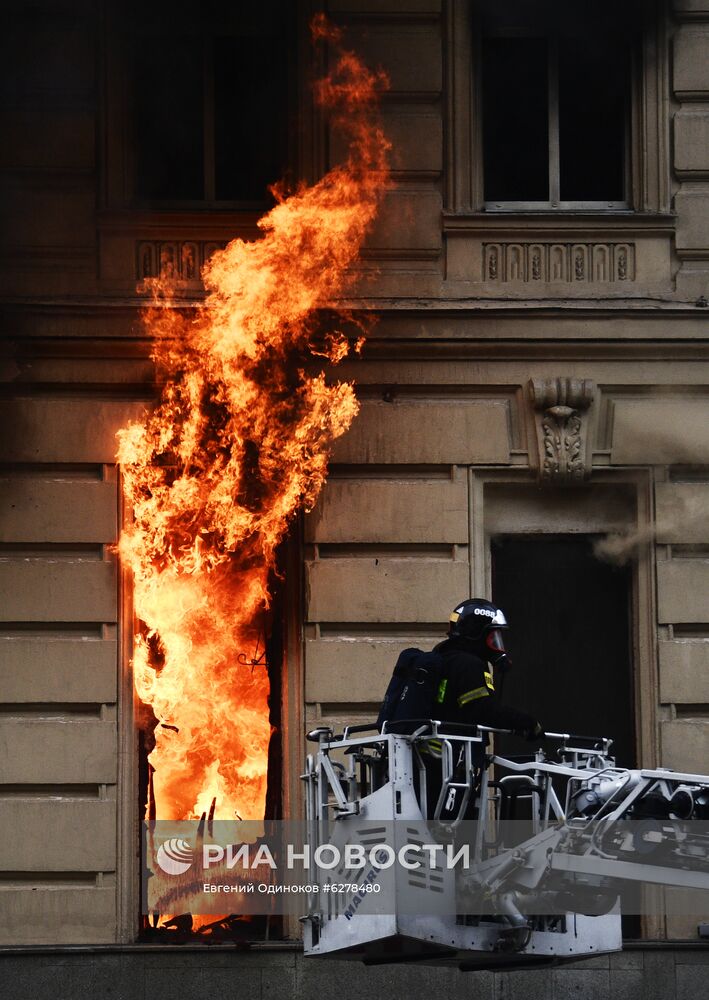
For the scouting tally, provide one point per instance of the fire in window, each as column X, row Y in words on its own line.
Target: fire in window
column 556, row 87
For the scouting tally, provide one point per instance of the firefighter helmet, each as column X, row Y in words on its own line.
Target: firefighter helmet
column 479, row 619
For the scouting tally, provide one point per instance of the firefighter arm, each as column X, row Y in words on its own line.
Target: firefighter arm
column 482, row 707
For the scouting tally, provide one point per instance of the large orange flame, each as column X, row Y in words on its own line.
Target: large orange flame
column 237, row 443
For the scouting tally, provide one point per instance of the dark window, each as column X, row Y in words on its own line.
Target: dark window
column 207, row 102
column 167, row 117
column 516, row 119
column 556, row 87
column 569, row 637
column 569, row 616
column 593, row 111
column 249, row 115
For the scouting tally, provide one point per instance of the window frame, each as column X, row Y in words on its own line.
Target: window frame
column 649, row 189
column 642, row 611
column 554, row 203
column 118, row 160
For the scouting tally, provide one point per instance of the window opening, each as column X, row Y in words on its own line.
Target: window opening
column 556, row 89
column 185, row 927
column 206, row 104
column 569, row 636
column 570, row 643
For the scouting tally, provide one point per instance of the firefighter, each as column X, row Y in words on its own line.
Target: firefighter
column 470, row 657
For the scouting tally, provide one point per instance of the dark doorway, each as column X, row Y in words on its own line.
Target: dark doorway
column 569, row 637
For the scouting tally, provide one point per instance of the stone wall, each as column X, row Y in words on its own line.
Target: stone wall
column 281, row 974
column 446, row 450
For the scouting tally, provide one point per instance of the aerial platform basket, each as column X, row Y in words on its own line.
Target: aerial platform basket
column 541, row 846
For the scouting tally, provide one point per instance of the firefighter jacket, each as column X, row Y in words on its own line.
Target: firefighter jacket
column 466, row 691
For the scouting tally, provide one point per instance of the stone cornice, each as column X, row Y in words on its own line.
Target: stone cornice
column 108, row 306
column 391, row 349
column 551, row 224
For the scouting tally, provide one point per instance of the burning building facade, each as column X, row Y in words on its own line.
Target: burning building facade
column 532, row 395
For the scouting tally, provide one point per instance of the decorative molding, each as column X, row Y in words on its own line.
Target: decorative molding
column 182, row 259
column 589, row 263
column 561, row 407
column 559, row 226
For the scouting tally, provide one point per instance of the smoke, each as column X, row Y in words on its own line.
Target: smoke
column 623, row 546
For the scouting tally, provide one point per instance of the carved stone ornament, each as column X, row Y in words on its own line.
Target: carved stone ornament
column 561, row 407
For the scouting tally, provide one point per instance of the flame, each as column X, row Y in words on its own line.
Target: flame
column 237, row 444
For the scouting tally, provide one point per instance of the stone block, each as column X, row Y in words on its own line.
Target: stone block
column 589, row 984
column 63, row 430
column 692, row 280
column 692, row 981
column 274, row 958
column 532, row 984
column 39, row 271
column 685, row 909
column 384, row 590
column 661, row 431
column 51, row 835
column 279, row 981
column 696, row 8
column 57, row 510
column 659, row 969
column 57, row 751
column 60, row 138
column 29, row 977
column 697, row 955
column 57, row 915
column 684, row 672
column 685, row 745
column 692, row 208
column 58, row 670
column 683, row 591
column 197, row 981
column 407, row 220
column 114, row 977
column 627, row 984
column 52, row 56
column 596, row 508
column 416, row 142
column 626, row 959
column 410, row 55
column 41, row 217
column 683, row 927
column 353, row 670
column 41, row 590
column 691, row 61
column 682, row 512
column 462, row 432
column 390, row 511
column 691, row 148
column 395, row 982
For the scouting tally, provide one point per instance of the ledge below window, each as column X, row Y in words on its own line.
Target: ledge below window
column 559, row 255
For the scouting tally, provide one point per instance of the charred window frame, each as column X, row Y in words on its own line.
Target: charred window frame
column 200, row 102
column 556, row 85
